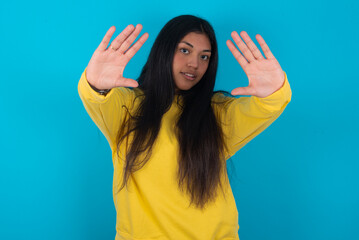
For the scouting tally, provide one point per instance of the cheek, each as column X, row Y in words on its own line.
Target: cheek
column 177, row 61
column 204, row 68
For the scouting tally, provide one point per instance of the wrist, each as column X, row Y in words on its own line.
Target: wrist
column 100, row 91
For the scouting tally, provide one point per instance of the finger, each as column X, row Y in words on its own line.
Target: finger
column 242, row 46
column 106, row 39
column 236, row 54
column 127, row 43
column 243, row 91
column 251, row 45
column 267, row 52
column 135, row 47
column 116, row 43
column 126, row 82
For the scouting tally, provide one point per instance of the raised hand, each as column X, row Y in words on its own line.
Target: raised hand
column 265, row 76
column 106, row 67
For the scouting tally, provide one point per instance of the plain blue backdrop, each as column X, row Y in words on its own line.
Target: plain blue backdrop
column 297, row 180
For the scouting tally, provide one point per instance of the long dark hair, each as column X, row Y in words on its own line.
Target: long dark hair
column 201, row 142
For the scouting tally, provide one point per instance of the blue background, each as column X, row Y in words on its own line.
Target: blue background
column 296, row 180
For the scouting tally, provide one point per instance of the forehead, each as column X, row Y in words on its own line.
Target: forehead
column 197, row 40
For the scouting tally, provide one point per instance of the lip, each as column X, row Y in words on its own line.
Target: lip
column 188, row 77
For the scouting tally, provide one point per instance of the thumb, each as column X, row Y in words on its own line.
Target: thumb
column 126, row 82
column 242, row 91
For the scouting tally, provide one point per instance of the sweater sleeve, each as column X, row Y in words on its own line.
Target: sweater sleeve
column 108, row 112
column 244, row 118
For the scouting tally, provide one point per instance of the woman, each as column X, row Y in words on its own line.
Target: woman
column 170, row 134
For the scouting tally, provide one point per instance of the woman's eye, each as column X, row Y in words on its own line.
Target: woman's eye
column 183, row 50
column 205, row 57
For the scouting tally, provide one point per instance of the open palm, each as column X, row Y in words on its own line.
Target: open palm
column 265, row 75
column 106, row 67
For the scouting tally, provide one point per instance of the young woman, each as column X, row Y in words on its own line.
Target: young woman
column 170, row 134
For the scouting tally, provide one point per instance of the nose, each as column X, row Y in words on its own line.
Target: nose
column 193, row 62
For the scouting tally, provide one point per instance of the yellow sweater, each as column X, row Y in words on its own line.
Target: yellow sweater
column 152, row 207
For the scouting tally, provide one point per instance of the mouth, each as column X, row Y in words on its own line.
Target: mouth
column 189, row 76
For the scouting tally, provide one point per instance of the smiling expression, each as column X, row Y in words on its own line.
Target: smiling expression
column 191, row 59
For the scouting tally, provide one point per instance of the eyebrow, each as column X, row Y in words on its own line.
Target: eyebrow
column 192, row 46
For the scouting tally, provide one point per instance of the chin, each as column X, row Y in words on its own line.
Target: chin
column 184, row 88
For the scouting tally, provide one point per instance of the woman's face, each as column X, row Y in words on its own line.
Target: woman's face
column 191, row 59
